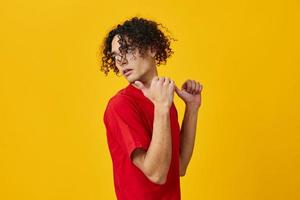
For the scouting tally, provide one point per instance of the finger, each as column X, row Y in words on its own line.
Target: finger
column 201, row 87
column 197, row 90
column 189, row 86
column 171, row 85
column 161, row 80
column 194, row 85
column 155, row 79
column 167, row 80
column 184, row 86
column 177, row 90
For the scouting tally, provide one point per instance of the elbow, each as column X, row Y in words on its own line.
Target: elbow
column 160, row 180
column 182, row 173
column 182, row 169
column 157, row 177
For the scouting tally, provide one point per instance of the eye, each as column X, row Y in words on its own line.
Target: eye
column 130, row 49
column 117, row 58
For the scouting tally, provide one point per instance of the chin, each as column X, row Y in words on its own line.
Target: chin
column 131, row 79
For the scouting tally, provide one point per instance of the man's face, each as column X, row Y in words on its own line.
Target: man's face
column 140, row 68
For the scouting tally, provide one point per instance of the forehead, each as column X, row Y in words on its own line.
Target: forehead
column 115, row 44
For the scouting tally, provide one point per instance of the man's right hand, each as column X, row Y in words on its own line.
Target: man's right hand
column 160, row 92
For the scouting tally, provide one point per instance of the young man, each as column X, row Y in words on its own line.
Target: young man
column 149, row 151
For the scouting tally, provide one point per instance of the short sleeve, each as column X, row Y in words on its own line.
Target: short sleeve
column 126, row 124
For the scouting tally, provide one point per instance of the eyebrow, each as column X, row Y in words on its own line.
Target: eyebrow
column 113, row 53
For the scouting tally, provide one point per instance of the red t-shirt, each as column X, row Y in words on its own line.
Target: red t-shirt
column 129, row 119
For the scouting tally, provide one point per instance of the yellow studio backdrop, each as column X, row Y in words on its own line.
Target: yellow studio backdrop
column 53, row 95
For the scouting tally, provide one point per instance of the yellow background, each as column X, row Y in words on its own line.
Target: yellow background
column 53, row 95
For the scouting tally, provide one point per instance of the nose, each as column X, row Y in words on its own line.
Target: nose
column 122, row 62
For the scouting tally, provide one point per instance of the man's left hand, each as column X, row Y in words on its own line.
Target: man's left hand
column 190, row 93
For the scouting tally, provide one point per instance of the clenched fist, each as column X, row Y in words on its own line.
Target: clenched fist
column 190, row 93
column 160, row 92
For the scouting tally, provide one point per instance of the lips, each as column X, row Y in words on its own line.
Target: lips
column 126, row 71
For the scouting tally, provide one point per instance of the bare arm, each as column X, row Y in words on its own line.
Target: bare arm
column 155, row 162
column 190, row 93
column 187, row 136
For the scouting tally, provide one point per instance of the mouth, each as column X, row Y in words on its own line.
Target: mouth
column 126, row 72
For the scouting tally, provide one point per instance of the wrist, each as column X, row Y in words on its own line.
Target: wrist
column 192, row 107
column 161, row 108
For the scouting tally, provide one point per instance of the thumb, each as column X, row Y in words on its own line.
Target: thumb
column 140, row 85
column 177, row 90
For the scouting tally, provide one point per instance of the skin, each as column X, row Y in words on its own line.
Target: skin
column 155, row 162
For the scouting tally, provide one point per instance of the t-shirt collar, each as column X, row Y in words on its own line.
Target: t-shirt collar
column 137, row 92
column 134, row 89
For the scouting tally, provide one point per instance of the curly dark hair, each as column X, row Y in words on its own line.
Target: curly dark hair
column 136, row 33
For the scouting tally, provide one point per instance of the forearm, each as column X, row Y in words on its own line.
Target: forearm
column 187, row 136
column 158, row 157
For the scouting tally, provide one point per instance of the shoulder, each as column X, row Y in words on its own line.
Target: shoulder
column 120, row 104
column 120, row 100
